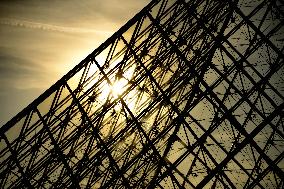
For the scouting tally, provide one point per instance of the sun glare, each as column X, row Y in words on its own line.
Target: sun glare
column 113, row 89
column 118, row 87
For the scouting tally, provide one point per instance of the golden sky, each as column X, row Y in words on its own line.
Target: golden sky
column 41, row 40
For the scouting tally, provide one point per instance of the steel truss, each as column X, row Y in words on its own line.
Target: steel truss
column 187, row 94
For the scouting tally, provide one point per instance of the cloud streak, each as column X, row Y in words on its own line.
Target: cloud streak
column 48, row 27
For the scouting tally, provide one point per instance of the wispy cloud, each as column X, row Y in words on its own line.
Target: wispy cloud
column 48, row 27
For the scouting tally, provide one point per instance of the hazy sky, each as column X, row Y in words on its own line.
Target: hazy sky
column 41, row 40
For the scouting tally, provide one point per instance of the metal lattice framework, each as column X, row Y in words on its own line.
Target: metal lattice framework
column 187, row 94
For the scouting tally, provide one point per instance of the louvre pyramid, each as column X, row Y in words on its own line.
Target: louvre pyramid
column 187, row 94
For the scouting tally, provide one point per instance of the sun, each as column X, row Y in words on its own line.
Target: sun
column 118, row 87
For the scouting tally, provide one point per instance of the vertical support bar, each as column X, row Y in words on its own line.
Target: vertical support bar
column 61, row 156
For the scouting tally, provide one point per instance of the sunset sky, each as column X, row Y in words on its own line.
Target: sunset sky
column 41, row 40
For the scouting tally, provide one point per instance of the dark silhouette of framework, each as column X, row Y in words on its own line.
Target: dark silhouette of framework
column 187, row 94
